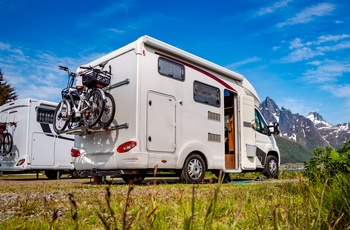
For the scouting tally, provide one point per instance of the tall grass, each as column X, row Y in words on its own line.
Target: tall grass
column 257, row 205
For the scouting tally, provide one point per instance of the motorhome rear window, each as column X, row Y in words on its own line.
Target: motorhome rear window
column 44, row 115
column 206, row 94
column 171, row 69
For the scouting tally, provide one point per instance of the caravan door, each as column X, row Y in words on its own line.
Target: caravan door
column 248, row 142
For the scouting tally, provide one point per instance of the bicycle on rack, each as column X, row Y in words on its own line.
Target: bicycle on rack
column 84, row 106
column 6, row 139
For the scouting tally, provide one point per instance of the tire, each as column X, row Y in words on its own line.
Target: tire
column 108, row 111
column 7, row 143
column 133, row 178
column 193, row 170
column 61, row 116
column 78, row 174
column 271, row 167
column 94, row 112
column 52, row 174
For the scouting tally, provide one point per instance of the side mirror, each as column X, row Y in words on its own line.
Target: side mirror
column 273, row 129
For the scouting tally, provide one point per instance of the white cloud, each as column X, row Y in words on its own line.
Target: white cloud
column 308, row 14
column 338, row 90
column 326, row 72
column 243, row 62
column 273, row 8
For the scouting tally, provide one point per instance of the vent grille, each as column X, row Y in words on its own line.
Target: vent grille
column 214, row 137
column 213, row 116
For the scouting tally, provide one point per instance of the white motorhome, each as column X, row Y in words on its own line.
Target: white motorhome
column 35, row 146
column 176, row 112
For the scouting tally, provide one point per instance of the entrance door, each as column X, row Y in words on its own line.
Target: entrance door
column 161, row 122
column 230, row 130
column 248, row 143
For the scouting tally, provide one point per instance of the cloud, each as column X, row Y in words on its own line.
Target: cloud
column 301, row 51
column 326, row 72
column 338, row 90
column 243, row 62
column 35, row 74
column 308, row 14
column 273, row 8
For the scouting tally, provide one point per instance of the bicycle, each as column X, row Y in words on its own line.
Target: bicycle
column 87, row 102
column 6, row 139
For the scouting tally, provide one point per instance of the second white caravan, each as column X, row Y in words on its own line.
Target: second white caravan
column 35, row 146
column 176, row 112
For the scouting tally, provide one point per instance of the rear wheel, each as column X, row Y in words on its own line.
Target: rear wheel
column 7, row 143
column 108, row 111
column 193, row 170
column 271, row 167
column 94, row 111
column 52, row 174
column 133, row 178
column 61, row 116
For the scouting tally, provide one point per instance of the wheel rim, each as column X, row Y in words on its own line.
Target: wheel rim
column 62, row 117
column 273, row 166
column 195, row 169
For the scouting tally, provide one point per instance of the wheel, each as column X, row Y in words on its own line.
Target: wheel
column 133, row 178
column 94, row 111
column 61, row 116
column 52, row 174
column 7, row 143
column 193, row 170
column 78, row 174
column 1, row 146
column 108, row 111
column 271, row 167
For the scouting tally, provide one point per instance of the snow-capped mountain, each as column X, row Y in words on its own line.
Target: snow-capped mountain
column 311, row 132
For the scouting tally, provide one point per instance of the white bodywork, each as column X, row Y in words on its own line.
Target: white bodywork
column 163, row 118
column 34, row 140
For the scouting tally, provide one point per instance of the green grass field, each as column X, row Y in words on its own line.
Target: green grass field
column 272, row 204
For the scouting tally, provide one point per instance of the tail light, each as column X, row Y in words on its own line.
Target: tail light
column 127, row 146
column 74, row 152
column 20, row 162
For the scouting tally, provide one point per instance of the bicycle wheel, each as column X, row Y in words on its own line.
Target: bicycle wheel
column 93, row 113
column 7, row 144
column 108, row 111
column 1, row 146
column 61, row 116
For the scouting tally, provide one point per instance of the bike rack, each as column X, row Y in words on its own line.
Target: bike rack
column 86, row 130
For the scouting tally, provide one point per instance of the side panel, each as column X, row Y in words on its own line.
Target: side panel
column 161, row 122
column 43, row 147
column 248, row 142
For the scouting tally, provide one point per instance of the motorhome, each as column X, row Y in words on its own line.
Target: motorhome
column 176, row 112
column 35, row 146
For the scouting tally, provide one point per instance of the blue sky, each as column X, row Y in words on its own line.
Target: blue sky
column 293, row 51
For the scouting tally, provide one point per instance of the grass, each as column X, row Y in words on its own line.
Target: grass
column 257, row 205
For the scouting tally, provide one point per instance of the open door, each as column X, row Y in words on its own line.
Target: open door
column 248, row 142
column 230, row 129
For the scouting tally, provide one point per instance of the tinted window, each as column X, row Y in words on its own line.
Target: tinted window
column 45, row 115
column 206, row 94
column 171, row 69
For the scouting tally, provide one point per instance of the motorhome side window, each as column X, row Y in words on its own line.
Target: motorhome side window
column 261, row 126
column 171, row 69
column 206, row 94
column 44, row 115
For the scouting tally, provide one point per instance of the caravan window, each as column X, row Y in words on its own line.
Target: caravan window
column 171, row 69
column 45, row 115
column 206, row 94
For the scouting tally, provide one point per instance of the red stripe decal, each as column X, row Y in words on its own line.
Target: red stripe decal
column 200, row 70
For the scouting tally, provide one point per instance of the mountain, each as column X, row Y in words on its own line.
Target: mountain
column 303, row 134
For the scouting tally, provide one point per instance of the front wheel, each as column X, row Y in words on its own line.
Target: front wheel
column 193, row 170
column 271, row 167
column 7, row 143
column 108, row 111
column 93, row 112
column 61, row 116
